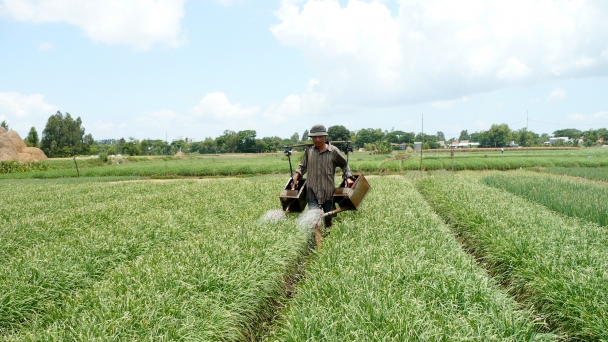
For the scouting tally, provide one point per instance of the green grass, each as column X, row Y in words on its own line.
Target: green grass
column 142, row 260
column 553, row 264
column 392, row 271
column 598, row 173
column 253, row 164
column 571, row 197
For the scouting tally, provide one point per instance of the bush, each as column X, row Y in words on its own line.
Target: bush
column 104, row 157
column 12, row 166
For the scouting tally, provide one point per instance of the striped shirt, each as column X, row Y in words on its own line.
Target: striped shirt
column 321, row 167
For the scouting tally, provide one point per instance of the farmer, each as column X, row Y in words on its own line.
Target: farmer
column 320, row 161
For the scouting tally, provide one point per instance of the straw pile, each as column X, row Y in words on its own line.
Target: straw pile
column 12, row 147
column 179, row 154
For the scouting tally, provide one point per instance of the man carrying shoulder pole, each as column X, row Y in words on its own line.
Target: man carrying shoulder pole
column 320, row 161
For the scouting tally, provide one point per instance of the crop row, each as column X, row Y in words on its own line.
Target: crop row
column 571, row 197
column 141, row 260
column 393, row 271
column 553, row 264
column 268, row 164
column 599, row 173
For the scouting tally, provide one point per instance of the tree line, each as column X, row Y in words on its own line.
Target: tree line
column 64, row 136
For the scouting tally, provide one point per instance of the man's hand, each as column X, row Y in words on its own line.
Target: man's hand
column 294, row 183
column 349, row 182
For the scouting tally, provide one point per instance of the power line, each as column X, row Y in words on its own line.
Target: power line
column 563, row 124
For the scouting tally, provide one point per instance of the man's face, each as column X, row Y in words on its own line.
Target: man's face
column 319, row 141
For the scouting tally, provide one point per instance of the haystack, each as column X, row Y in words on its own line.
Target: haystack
column 409, row 149
column 12, row 147
column 179, row 154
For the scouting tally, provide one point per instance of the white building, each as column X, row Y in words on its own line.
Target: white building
column 554, row 140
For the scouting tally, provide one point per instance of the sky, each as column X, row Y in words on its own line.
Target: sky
column 162, row 69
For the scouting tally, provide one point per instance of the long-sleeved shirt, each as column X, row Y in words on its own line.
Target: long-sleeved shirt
column 321, row 167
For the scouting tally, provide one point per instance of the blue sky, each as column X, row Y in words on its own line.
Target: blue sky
column 169, row 68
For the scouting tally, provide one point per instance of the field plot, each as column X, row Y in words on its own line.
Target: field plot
column 553, row 264
column 571, row 197
column 495, row 161
column 597, row 173
column 227, row 165
column 179, row 260
column 393, row 271
column 256, row 164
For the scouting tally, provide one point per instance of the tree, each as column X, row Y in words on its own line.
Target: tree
column 602, row 133
column 338, row 133
column 144, row 146
column 395, row 137
column 571, row 133
column 4, row 124
column 67, row 134
column 500, row 135
column 525, row 137
column 295, row 138
column 367, row 136
column 464, row 135
column 305, row 135
column 32, row 137
column 440, row 136
column 430, row 141
column 132, row 147
column 589, row 138
column 227, row 142
column 246, row 141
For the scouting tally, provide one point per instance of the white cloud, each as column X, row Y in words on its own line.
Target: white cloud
column 577, row 117
column 513, row 70
column 556, row 95
column 14, row 105
column 593, row 118
column 449, row 103
column 224, row 2
column 136, row 23
column 215, row 108
column 45, row 46
column 436, row 49
column 310, row 103
column 24, row 111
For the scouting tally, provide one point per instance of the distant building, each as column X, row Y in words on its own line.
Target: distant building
column 185, row 139
column 553, row 141
column 464, row 144
column 417, row 146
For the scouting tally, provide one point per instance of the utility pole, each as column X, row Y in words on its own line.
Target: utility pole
column 422, row 143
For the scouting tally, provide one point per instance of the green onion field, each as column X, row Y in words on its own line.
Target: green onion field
column 507, row 247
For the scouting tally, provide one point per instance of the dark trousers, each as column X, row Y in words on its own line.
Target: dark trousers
column 327, row 206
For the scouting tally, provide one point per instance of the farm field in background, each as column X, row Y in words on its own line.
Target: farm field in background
column 249, row 164
column 572, row 197
column 129, row 258
column 600, row 174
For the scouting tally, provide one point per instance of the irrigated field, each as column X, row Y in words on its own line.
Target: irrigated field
column 426, row 257
column 231, row 165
